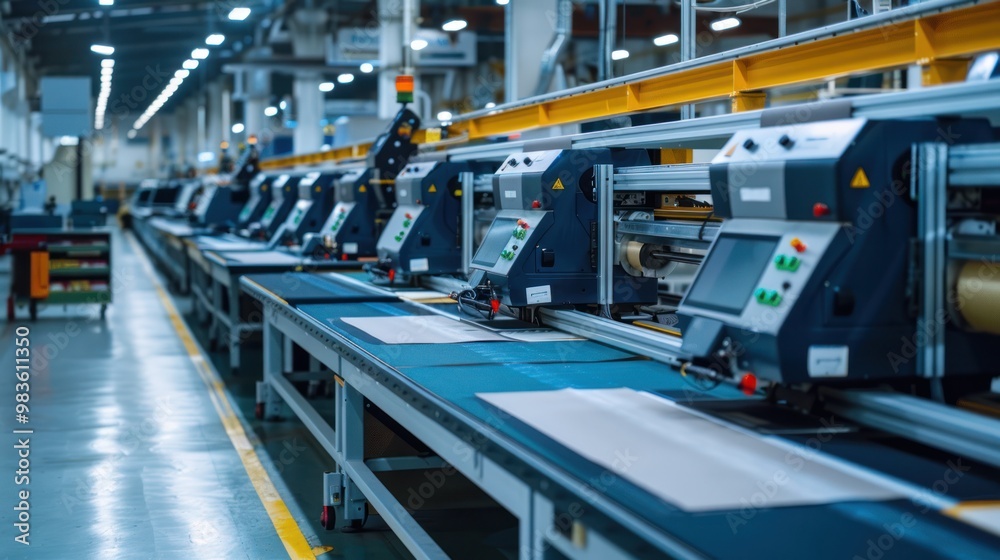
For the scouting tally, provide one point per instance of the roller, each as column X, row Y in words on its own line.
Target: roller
column 978, row 291
column 643, row 259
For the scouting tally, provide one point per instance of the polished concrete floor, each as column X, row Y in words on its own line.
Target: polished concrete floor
column 130, row 459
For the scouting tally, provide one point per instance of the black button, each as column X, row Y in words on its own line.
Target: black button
column 785, row 141
column 512, row 162
column 527, row 161
column 749, row 144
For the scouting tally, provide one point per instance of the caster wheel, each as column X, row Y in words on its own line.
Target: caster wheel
column 328, row 519
column 357, row 525
column 258, row 411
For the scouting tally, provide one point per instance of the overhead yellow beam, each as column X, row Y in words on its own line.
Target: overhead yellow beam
column 941, row 43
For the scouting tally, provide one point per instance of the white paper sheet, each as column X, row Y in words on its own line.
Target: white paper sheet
column 695, row 463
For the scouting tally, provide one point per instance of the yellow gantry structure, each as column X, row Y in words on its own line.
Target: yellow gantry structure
column 941, row 43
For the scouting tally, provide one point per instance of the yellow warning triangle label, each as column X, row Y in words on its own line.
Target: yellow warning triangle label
column 432, row 189
column 860, row 180
column 558, row 186
column 362, row 188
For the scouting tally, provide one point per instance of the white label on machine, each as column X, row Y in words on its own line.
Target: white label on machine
column 538, row 294
column 419, row 265
column 755, row 194
column 510, row 194
column 827, row 361
column 351, row 248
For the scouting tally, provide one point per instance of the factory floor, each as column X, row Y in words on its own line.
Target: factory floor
column 137, row 452
column 145, row 444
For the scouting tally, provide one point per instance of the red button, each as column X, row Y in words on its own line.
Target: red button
column 408, row 216
column 748, row 384
column 798, row 245
column 536, row 204
column 820, row 210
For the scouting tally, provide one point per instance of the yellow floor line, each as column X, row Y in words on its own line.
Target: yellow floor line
column 287, row 528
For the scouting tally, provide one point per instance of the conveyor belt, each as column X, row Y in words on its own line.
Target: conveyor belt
column 246, row 262
column 299, row 289
column 455, row 373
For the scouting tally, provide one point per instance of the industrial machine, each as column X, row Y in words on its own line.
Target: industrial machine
column 315, row 202
column 424, row 234
column 366, row 197
column 218, row 204
column 542, row 248
column 284, row 195
column 259, row 201
column 817, row 274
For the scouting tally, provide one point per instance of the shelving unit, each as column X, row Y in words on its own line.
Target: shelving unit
column 78, row 271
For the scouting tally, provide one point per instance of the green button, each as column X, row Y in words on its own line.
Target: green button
column 399, row 238
column 792, row 264
column 760, row 294
column 774, row 298
column 780, row 261
column 406, row 223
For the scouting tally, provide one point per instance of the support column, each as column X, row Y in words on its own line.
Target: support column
column 390, row 55
column 308, row 27
column 308, row 135
column 214, row 131
column 529, row 30
column 227, row 113
column 257, row 93
column 155, row 146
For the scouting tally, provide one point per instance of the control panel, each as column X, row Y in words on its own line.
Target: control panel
column 277, row 201
column 756, row 270
column 511, row 234
column 205, row 201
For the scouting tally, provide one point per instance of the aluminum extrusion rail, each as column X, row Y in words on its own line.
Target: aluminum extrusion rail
column 945, row 427
column 691, row 178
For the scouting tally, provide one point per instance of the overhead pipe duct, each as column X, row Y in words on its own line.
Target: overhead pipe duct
column 550, row 59
column 606, row 37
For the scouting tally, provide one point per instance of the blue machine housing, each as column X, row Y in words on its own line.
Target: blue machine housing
column 257, row 204
column 314, row 204
column 423, row 236
column 218, row 205
column 811, row 277
column 284, row 193
column 366, row 198
column 542, row 246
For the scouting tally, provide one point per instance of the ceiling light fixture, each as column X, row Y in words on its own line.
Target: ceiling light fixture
column 454, row 25
column 418, row 44
column 190, row 64
column 620, row 54
column 345, row 78
column 326, row 86
column 724, row 24
column 664, row 40
column 106, row 50
column 239, row 14
column 367, row 67
column 199, row 54
column 215, row 39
